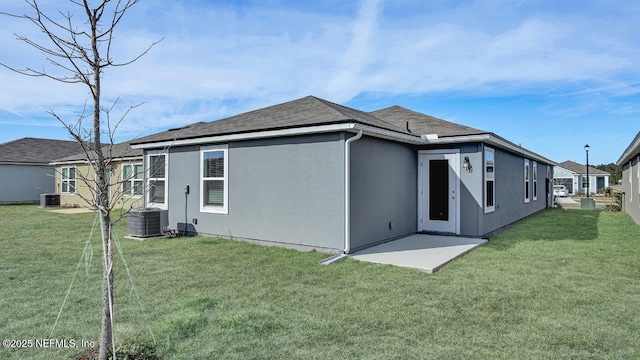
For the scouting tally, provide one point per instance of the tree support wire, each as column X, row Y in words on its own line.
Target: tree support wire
column 87, row 255
column 87, row 258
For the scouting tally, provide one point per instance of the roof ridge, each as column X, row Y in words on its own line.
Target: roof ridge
column 339, row 108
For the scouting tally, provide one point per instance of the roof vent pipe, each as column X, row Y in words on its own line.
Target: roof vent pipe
column 347, row 191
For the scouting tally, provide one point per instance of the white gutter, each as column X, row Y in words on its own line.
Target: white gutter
column 247, row 136
column 630, row 152
column 81, row 162
column 347, row 191
column 493, row 140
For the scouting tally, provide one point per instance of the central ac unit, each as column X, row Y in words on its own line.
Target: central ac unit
column 147, row 222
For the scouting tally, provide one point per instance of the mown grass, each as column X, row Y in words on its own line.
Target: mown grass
column 563, row 284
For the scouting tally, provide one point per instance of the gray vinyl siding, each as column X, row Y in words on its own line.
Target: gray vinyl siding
column 509, row 189
column 286, row 190
column 631, row 189
column 384, row 183
column 25, row 183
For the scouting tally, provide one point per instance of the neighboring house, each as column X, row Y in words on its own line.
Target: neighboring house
column 75, row 177
column 574, row 177
column 313, row 174
column 630, row 163
column 25, row 172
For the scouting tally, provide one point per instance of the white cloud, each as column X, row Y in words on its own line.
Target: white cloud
column 220, row 59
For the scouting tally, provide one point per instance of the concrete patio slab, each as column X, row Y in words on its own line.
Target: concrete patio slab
column 420, row 251
column 73, row 211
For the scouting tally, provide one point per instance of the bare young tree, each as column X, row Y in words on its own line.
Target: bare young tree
column 77, row 52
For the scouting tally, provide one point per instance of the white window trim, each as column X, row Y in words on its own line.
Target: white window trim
column 489, row 209
column 132, row 181
column 215, row 209
column 535, row 181
column 631, row 180
column 63, row 180
column 527, row 190
column 148, row 180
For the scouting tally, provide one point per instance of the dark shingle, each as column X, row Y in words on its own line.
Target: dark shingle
column 117, row 151
column 307, row 111
column 580, row 168
column 420, row 124
column 36, row 151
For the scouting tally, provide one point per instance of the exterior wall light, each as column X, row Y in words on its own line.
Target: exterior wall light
column 467, row 164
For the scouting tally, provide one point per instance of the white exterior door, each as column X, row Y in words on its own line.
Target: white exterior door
column 438, row 191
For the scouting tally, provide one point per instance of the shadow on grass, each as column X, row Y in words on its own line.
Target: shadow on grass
column 551, row 225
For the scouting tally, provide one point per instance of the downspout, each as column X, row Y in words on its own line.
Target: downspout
column 347, row 202
column 347, row 191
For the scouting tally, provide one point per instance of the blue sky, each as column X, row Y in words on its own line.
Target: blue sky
column 549, row 75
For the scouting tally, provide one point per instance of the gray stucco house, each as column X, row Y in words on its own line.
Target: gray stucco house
column 25, row 172
column 574, row 177
column 630, row 163
column 313, row 174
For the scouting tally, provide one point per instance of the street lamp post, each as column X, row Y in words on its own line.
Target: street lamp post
column 586, row 149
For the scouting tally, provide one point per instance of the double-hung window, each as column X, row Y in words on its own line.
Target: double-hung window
column 535, row 181
column 132, row 179
column 157, row 180
column 526, row 181
column 214, row 175
column 489, row 180
column 68, row 180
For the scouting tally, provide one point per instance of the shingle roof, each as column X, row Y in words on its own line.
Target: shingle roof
column 580, row 168
column 631, row 151
column 420, row 123
column 117, row 151
column 312, row 111
column 307, row 111
column 36, row 151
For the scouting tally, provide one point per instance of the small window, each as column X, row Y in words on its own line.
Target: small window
column 156, row 180
column 68, row 180
column 489, row 180
column 526, row 181
column 214, row 189
column 132, row 179
column 535, row 181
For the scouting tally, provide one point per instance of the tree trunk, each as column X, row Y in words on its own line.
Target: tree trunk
column 106, row 330
column 106, row 339
column 85, row 66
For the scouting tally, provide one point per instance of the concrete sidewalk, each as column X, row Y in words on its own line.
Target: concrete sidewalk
column 420, row 251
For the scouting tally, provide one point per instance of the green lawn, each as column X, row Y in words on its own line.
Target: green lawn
column 564, row 284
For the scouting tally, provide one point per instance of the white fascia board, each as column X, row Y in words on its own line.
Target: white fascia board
column 75, row 162
column 71, row 162
column 495, row 141
column 630, row 151
column 23, row 163
column 351, row 127
column 247, row 136
column 389, row 135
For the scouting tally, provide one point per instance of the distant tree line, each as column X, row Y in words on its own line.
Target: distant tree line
column 614, row 170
